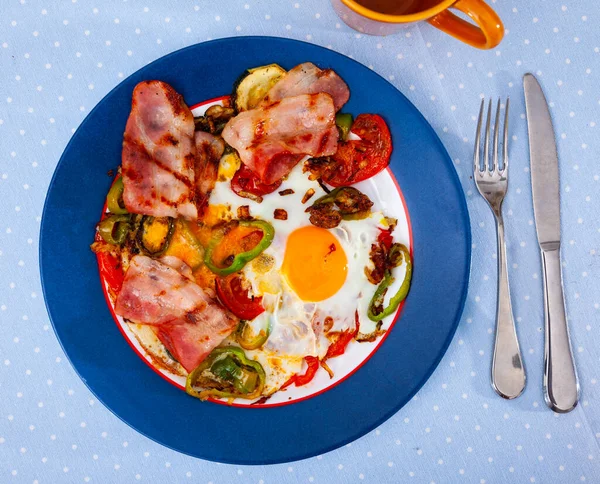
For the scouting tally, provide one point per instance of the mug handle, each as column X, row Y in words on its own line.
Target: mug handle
column 488, row 32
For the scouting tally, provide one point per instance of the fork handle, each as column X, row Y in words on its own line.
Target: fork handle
column 508, row 373
column 561, row 388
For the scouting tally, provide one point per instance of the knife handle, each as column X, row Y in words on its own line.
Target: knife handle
column 508, row 372
column 561, row 387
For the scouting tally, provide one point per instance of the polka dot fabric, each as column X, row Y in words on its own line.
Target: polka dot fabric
column 60, row 58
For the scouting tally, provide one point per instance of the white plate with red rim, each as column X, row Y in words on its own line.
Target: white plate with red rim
column 384, row 191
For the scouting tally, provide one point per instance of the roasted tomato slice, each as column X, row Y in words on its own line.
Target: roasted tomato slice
column 247, row 184
column 235, row 297
column 357, row 160
column 111, row 270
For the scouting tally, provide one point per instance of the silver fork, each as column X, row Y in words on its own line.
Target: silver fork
column 508, row 373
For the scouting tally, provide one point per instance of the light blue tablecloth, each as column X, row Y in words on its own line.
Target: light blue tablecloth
column 58, row 59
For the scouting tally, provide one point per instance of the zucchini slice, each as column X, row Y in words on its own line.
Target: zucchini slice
column 254, row 84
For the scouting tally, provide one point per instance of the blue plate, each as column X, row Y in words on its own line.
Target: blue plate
column 146, row 402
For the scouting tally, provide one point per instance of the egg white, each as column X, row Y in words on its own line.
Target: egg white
column 292, row 335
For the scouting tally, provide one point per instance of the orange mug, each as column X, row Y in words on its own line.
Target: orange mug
column 487, row 34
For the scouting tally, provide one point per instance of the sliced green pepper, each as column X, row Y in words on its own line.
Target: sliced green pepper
column 349, row 200
column 227, row 373
column 397, row 254
column 344, row 123
column 351, row 203
column 357, row 215
column 114, row 199
column 114, row 229
column 239, row 260
column 154, row 234
column 185, row 246
column 376, row 310
column 251, row 340
column 327, row 198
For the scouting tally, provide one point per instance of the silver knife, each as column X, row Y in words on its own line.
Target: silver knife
column 561, row 387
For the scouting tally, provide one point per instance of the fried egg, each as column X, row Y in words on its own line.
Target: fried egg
column 312, row 280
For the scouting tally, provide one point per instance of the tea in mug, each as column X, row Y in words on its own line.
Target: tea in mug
column 398, row 7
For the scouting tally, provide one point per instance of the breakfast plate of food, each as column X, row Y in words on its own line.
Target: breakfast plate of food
column 266, row 239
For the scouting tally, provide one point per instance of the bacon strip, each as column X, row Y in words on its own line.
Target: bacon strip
column 209, row 150
column 191, row 340
column 186, row 319
column 159, row 154
column 273, row 139
column 307, row 78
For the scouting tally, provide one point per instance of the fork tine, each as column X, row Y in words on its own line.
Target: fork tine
column 505, row 141
column 496, row 134
column 476, row 163
column 486, row 142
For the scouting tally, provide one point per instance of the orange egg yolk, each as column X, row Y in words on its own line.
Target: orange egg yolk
column 314, row 264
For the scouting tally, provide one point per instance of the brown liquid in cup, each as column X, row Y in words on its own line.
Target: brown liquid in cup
column 398, row 7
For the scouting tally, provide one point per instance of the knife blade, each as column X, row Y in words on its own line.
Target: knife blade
column 544, row 163
column 561, row 386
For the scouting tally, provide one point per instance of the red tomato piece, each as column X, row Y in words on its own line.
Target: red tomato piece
column 311, row 371
column 358, row 160
column 385, row 238
column 235, row 297
column 339, row 347
column 290, row 380
column 111, row 270
column 246, row 181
